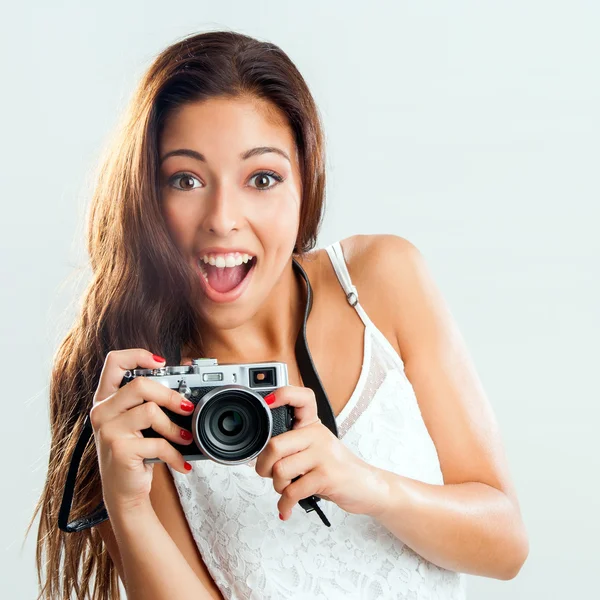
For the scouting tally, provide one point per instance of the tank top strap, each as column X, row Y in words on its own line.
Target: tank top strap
column 341, row 270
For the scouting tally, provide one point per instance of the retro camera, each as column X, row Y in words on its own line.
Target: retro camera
column 231, row 423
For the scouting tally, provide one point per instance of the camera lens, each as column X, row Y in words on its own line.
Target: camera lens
column 233, row 425
column 230, row 423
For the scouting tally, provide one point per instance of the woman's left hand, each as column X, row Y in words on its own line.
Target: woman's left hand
column 329, row 469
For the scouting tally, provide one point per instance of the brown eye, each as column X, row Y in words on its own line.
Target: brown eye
column 186, row 181
column 262, row 180
column 189, row 182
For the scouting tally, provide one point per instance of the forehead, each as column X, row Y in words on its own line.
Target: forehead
column 227, row 126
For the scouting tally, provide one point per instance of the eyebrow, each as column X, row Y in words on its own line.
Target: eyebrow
column 244, row 156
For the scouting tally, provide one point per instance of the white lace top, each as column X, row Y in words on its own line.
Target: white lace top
column 252, row 554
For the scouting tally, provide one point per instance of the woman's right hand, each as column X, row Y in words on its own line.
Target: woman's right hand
column 120, row 413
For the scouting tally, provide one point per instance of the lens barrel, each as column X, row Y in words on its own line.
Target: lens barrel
column 231, row 424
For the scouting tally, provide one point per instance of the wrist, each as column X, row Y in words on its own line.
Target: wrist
column 391, row 497
column 123, row 517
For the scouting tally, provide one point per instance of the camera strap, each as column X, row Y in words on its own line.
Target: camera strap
column 310, row 378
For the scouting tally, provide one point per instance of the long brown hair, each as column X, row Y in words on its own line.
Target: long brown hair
column 140, row 292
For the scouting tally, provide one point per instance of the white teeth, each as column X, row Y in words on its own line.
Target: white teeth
column 227, row 260
column 203, row 271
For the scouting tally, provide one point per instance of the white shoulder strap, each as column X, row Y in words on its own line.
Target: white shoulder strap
column 341, row 270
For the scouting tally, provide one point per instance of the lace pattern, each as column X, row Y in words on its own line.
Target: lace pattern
column 365, row 392
column 251, row 554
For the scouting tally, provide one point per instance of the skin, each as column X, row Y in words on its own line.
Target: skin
column 471, row 524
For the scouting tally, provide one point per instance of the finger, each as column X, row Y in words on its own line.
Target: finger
column 148, row 415
column 119, row 361
column 301, row 398
column 138, row 449
column 136, row 392
column 280, row 446
column 310, row 483
column 290, row 467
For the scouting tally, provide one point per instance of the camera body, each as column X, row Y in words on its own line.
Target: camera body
column 231, row 423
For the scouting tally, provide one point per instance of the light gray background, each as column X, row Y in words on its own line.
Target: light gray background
column 470, row 128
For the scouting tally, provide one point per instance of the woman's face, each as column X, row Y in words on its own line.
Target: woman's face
column 230, row 196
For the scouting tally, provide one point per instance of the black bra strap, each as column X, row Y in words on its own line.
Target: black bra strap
column 310, row 379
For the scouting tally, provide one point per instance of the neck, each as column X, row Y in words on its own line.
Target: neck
column 271, row 333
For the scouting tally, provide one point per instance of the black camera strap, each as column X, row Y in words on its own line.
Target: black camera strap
column 310, row 378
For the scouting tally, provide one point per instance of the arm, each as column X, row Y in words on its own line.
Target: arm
column 147, row 536
column 153, row 549
column 473, row 522
column 469, row 527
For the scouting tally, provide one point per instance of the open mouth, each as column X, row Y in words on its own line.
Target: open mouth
column 225, row 277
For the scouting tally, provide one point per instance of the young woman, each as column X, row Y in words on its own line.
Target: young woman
column 213, row 187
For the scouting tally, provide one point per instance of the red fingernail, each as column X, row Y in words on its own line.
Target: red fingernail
column 280, row 516
column 187, row 405
column 270, row 398
column 186, row 435
column 158, row 358
column 187, row 466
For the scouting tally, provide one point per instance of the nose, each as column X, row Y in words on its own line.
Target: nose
column 222, row 214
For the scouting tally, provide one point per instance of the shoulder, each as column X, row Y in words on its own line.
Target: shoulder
column 390, row 274
column 380, row 256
